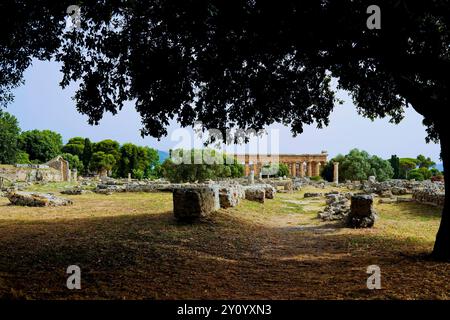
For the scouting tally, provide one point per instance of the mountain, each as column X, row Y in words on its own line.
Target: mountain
column 163, row 155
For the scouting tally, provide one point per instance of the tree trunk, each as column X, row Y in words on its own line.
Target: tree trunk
column 441, row 249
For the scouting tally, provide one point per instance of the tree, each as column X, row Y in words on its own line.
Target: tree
column 41, row 146
column 111, row 147
column 138, row 159
column 74, row 161
column 425, row 162
column 102, row 162
column 87, row 155
column 9, row 134
column 358, row 165
column 243, row 63
column 187, row 171
column 74, row 146
column 355, row 166
column 380, row 168
column 406, row 165
column 395, row 164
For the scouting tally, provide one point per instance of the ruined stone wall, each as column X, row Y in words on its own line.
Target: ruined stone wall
column 30, row 174
column 431, row 196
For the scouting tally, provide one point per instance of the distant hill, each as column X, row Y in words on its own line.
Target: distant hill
column 439, row 166
column 163, row 155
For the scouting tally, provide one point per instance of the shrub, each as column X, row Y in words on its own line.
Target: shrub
column 416, row 175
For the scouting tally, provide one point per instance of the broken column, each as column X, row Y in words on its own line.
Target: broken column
column 362, row 214
column 251, row 177
column 336, row 172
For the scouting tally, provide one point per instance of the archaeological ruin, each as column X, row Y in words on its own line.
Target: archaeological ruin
column 300, row 165
column 55, row 170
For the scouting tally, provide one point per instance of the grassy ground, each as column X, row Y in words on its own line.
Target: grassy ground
column 128, row 246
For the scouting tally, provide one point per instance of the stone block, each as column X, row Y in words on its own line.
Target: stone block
column 255, row 194
column 362, row 214
column 194, row 203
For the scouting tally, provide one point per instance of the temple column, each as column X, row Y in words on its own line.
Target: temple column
column 336, row 172
column 247, row 169
column 302, row 169
column 316, row 169
column 309, row 169
column 294, row 169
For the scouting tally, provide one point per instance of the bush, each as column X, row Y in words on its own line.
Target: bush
column 316, row 178
column 416, row 174
column 138, row 174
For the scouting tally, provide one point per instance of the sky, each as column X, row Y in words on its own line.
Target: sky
column 41, row 104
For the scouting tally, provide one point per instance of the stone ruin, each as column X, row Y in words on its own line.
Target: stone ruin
column 431, row 196
column 338, row 206
column 36, row 199
column 194, row 202
column 391, row 191
column 362, row 213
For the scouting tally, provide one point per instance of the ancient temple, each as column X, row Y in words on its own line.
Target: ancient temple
column 300, row 165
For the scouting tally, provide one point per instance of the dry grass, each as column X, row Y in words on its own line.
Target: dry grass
column 129, row 247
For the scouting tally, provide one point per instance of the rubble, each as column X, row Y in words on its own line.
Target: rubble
column 35, row 199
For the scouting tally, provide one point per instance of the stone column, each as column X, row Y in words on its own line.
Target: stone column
column 309, row 169
column 247, row 169
column 74, row 175
column 129, row 177
column 251, row 177
column 294, row 169
column 336, row 172
column 316, row 170
column 302, row 169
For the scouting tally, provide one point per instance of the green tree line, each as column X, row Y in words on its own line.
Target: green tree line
column 359, row 165
column 40, row 146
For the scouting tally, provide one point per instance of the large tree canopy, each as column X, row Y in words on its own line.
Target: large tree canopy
column 244, row 63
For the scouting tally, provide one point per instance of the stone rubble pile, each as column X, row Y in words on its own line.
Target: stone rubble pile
column 432, row 196
column 338, row 207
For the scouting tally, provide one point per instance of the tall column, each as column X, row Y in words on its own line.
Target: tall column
column 294, row 169
column 309, row 169
column 247, row 169
column 302, row 169
column 336, row 172
column 316, row 168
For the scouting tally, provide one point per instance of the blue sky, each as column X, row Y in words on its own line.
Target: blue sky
column 41, row 104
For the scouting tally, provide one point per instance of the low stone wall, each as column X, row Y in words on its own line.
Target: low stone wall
column 430, row 196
